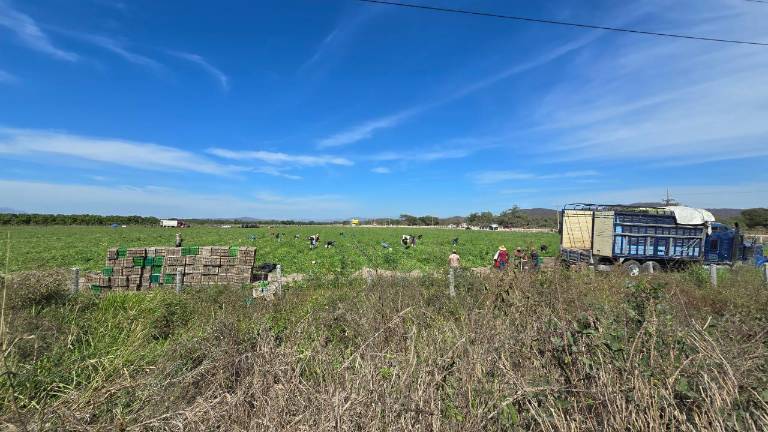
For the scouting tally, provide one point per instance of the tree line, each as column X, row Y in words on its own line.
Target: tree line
column 755, row 217
column 75, row 219
column 514, row 217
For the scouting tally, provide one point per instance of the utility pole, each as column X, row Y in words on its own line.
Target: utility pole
column 668, row 201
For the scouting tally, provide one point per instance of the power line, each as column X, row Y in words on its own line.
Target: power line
column 562, row 23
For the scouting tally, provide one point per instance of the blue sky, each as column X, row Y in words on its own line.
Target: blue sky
column 335, row 108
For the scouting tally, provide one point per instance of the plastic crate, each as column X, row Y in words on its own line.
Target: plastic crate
column 155, row 278
column 157, row 269
column 96, row 289
column 233, row 250
column 158, row 261
column 149, row 261
column 107, row 271
column 138, row 261
column 169, row 278
column 122, row 251
column 190, row 250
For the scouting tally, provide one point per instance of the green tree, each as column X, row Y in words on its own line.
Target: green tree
column 513, row 217
column 755, row 217
column 407, row 219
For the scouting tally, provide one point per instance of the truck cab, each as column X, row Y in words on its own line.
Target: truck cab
column 724, row 245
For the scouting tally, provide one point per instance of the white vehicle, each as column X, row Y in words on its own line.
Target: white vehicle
column 173, row 223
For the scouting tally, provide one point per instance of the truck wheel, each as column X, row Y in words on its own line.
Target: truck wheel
column 631, row 267
column 651, row 267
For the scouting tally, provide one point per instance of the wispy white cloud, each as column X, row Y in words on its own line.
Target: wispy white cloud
column 282, row 159
column 345, row 29
column 77, row 198
column 30, row 33
column 381, row 170
column 140, row 155
column 739, row 195
column 367, row 129
column 276, row 172
column 671, row 102
column 491, row 177
column 7, row 78
column 217, row 74
column 421, row 156
column 519, row 191
column 116, row 47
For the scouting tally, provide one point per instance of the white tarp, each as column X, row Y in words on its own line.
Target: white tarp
column 691, row 216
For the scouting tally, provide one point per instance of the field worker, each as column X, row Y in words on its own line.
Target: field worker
column 519, row 258
column 178, row 239
column 501, row 258
column 535, row 264
column 455, row 242
column 454, row 260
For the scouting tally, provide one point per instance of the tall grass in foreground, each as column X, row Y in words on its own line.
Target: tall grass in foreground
column 548, row 351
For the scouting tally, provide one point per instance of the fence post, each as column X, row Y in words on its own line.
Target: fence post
column 75, row 287
column 179, row 280
column 279, row 290
column 451, row 283
column 765, row 272
column 713, row 275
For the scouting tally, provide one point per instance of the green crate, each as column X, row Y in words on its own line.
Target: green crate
column 155, row 278
column 190, row 250
column 107, row 271
column 233, row 250
column 96, row 289
column 158, row 261
column 138, row 261
column 122, row 251
column 149, row 261
column 157, row 269
column 169, row 278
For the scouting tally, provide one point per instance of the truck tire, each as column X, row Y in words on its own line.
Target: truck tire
column 631, row 267
column 650, row 267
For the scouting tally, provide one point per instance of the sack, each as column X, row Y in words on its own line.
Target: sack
column 267, row 267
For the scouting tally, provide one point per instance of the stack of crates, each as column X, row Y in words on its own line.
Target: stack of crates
column 137, row 269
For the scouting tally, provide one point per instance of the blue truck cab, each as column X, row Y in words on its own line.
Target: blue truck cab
column 646, row 238
column 723, row 244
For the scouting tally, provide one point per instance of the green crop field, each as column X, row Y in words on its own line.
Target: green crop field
column 37, row 248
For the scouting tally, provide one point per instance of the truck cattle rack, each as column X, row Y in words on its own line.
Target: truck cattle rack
column 646, row 238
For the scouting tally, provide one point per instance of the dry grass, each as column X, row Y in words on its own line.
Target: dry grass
column 551, row 351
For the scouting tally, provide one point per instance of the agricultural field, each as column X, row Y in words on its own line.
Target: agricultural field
column 556, row 351
column 38, row 248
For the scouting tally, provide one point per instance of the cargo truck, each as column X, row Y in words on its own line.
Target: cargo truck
column 173, row 223
column 646, row 239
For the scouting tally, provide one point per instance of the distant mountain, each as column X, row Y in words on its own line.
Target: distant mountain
column 10, row 210
column 725, row 213
column 539, row 212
